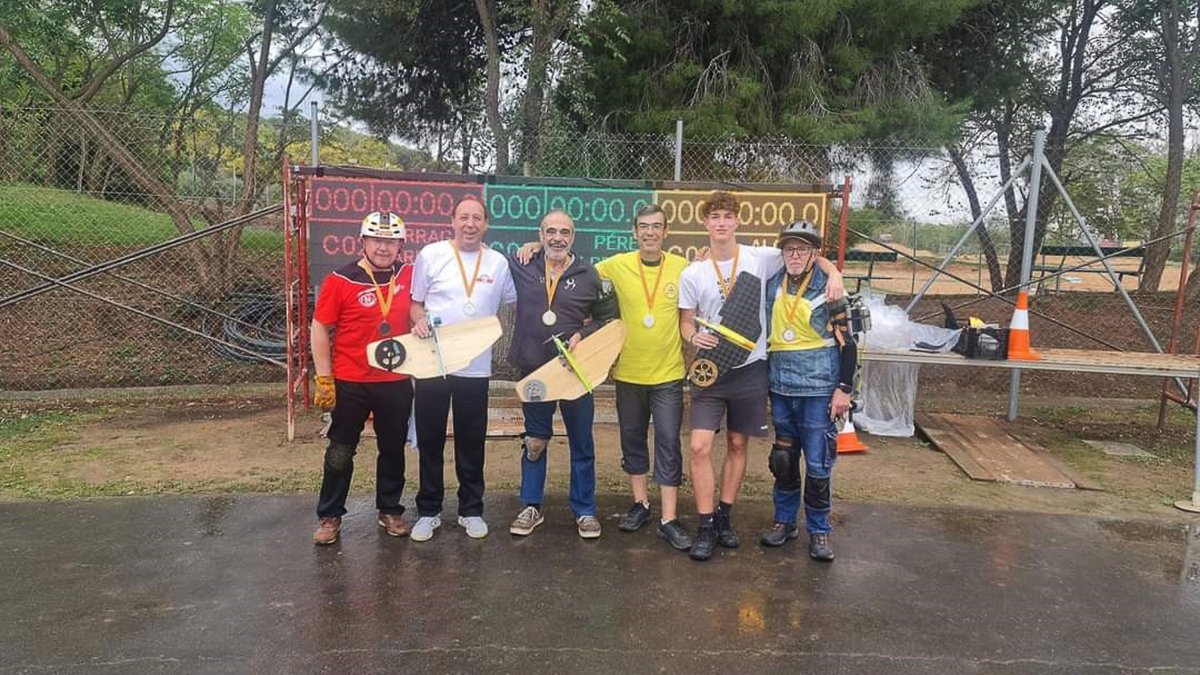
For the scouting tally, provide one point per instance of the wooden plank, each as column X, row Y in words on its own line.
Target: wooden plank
column 1081, row 481
column 1070, row 360
column 944, row 437
column 981, row 446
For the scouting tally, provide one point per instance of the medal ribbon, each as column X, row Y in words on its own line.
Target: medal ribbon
column 646, row 289
column 385, row 306
column 469, row 286
column 726, row 285
column 551, row 287
column 789, row 310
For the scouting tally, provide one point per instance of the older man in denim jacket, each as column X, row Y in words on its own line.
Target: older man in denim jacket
column 812, row 358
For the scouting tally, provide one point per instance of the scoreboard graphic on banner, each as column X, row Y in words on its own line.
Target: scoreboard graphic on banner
column 603, row 215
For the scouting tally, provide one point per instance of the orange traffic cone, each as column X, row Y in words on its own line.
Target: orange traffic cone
column 1018, row 331
column 847, row 440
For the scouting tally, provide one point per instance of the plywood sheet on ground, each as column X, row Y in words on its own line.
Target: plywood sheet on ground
column 984, row 450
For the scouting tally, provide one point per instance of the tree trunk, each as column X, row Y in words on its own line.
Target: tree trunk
column 112, row 146
column 995, row 275
column 487, row 18
column 1168, row 211
column 545, row 34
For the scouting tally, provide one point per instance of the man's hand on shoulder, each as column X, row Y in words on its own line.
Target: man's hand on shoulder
column 527, row 251
column 835, row 286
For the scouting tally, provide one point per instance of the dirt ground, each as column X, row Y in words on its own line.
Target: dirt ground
column 905, row 277
column 225, row 440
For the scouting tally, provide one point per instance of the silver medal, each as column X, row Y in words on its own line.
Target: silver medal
column 469, row 309
column 549, row 317
column 789, row 335
column 648, row 321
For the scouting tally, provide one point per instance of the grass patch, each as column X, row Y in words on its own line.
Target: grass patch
column 56, row 217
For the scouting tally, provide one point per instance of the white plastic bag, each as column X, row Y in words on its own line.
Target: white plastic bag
column 889, row 390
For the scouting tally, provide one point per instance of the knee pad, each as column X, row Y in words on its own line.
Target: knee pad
column 534, row 447
column 817, row 493
column 781, row 456
column 338, row 456
column 785, row 464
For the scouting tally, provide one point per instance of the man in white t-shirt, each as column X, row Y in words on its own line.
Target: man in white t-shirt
column 456, row 280
column 740, row 395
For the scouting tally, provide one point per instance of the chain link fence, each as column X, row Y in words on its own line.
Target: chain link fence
column 65, row 206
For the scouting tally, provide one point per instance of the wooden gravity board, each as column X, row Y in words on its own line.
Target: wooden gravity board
column 986, row 449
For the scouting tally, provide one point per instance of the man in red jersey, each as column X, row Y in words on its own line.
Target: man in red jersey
column 359, row 303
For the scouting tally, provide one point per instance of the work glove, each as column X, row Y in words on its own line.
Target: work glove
column 325, row 393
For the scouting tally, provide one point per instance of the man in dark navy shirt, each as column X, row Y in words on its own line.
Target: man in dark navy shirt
column 561, row 294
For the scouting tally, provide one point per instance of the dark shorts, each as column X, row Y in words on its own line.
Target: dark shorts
column 740, row 397
column 637, row 404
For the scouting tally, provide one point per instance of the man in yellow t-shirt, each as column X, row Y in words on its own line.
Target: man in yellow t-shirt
column 649, row 373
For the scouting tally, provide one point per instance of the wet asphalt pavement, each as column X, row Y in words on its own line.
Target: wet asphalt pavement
column 232, row 584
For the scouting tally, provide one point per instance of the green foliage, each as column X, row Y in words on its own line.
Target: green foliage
column 416, row 66
column 1117, row 184
column 821, row 72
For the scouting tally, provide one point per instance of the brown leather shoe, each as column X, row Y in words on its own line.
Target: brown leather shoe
column 394, row 525
column 327, row 531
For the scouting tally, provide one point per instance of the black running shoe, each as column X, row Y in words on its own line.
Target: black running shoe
column 726, row 537
column 675, row 535
column 633, row 520
column 702, row 547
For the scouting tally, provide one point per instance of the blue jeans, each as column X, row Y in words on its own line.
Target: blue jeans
column 577, row 417
column 805, row 421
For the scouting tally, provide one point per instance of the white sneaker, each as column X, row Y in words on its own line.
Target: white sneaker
column 422, row 530
column 474, row 525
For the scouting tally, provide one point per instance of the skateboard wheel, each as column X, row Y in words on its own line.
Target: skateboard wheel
column 703, row 372
column 390, row 354
column 535, row 390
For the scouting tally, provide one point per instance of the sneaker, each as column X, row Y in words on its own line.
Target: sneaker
column 422, row 530
column 779, row 534
column 633, row 520
column 529, row 518
column 726, row 537
column 327, row 531
column 676, row 536
column 474, row 525
column 394, row 524
column 702, row 547
column 819, row 548
column 589, row 527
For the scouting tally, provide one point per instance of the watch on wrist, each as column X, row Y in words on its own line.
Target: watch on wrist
column 845, row 388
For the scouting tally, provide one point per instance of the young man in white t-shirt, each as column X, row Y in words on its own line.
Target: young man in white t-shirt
column 456, row 280
column 739, row 396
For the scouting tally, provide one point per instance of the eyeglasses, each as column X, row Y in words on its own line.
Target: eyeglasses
column 651, row 227
column 797, row 251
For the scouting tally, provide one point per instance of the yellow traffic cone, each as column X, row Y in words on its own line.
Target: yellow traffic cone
column 1018, row 331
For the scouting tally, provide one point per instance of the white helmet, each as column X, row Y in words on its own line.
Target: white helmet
column 382, row 225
